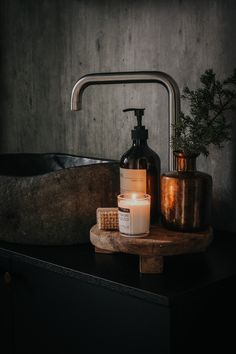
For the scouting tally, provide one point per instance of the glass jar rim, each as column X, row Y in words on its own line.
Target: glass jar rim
column 134, row 196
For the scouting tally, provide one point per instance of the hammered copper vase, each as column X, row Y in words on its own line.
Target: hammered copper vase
column 186, row 196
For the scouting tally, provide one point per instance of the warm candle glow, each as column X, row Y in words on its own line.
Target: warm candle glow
column 134, row 196
column 134, row 214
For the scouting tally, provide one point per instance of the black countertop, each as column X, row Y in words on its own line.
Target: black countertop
column 184, row 276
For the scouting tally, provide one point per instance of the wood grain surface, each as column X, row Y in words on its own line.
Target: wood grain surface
column 160, row 242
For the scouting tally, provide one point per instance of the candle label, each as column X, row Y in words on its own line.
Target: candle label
column 124, row 220
column 132, row 180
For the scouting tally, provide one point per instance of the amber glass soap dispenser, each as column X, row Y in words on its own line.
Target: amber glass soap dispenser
column 140, row 166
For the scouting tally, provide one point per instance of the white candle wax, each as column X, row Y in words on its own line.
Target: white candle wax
column 134, row 214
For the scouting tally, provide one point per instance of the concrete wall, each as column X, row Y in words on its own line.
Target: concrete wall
column 46, row 45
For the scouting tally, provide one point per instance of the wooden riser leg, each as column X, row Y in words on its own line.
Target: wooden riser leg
column 151, row 264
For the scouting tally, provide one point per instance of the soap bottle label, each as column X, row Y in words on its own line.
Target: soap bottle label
column 132, row 180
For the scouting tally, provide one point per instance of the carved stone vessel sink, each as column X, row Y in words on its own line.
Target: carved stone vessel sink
column 51, row 199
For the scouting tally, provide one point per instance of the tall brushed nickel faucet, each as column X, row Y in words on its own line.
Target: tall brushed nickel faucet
column 134, row 77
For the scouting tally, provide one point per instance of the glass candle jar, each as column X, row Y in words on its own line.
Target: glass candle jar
column 134, row 214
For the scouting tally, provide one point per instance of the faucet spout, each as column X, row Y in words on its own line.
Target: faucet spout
column 134, row 77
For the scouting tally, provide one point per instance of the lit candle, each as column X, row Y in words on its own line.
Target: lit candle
column 134, row 214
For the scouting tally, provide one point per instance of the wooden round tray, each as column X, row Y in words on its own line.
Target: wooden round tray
column 152, row 248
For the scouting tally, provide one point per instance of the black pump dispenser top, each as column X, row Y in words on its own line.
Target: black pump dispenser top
column 139, row 132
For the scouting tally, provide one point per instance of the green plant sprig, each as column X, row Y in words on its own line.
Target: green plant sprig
column 207, row 122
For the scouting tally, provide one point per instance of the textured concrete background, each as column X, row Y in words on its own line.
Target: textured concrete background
column 46, row 45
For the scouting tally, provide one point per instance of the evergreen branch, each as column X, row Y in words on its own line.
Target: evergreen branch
column 221, row 110
column 206, row 124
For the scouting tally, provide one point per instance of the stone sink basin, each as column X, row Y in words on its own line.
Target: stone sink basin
column 51, row 199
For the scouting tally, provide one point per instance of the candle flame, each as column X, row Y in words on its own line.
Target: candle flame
column 134, row 196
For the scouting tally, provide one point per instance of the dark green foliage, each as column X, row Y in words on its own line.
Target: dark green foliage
column 207, row 122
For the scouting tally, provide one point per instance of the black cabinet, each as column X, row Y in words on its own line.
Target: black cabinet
column 6, row 308
column 54, row 313
column 68, row 300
